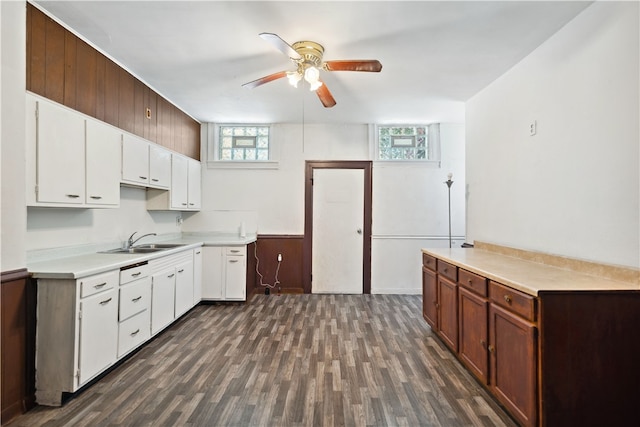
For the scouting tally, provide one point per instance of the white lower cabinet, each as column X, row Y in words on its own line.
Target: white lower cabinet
column 184, row 287
column 197, row 275
column 163, row 299
column 98, row 333
column 84, row 326
column 134, row 315
column 224, row 273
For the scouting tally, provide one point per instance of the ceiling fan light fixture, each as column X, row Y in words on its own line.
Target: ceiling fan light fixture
column 294, row 77
column 312, row 76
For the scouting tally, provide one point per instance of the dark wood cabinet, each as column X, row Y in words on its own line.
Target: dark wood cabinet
column 448, row 312
column 512, row 346
column 474, row 333
column 430, row 298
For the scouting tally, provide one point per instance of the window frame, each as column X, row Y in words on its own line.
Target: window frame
column 433, row 144
column 213, row 148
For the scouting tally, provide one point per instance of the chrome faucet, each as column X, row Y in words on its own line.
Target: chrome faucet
column 131, row 241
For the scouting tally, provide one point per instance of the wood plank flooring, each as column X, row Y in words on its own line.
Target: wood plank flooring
column 290, row 360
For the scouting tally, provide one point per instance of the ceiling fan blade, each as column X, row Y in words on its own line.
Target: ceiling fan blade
column 370, row 65
column 265, row 79
column 280, row 44
column 325, row 96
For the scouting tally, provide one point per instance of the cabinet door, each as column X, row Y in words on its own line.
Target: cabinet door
column 473, row 333
column 197, row 275
column 60, row 155
column 235, row 277
column 448, row 312
column 162, row 299
column 184, row 287
column 179, row 179
column 159, row 166
column 212, row 273
column 512, row 344
column 103, row 157
column 135, row 160
column 98, row 345
column 430, row 298
column 194, row 192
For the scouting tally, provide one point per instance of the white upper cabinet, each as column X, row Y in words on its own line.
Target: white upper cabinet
column 135, row 160
column 194, row 191
column 185, row 190
column 102, row 164
column 57, row 149
column 159, row 166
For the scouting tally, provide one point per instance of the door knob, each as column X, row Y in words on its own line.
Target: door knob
column 359, row 230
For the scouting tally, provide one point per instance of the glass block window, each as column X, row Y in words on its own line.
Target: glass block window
column 403, row 142
column 243, row 143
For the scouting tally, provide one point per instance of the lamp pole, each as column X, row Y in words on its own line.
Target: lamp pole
column 449, row 183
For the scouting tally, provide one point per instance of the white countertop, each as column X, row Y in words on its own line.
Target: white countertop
column 74, row 263
column 526, row 276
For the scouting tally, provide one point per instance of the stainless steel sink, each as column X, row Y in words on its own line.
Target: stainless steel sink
column 136, row 250
column 159, row 246
column 144, row 249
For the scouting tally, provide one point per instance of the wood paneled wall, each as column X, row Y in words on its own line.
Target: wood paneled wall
column 18, row 312
column 65, row 69
column 290, row 273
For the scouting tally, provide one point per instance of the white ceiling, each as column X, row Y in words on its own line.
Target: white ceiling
column 435, row 55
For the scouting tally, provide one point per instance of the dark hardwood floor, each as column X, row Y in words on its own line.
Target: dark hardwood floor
column 290, row 360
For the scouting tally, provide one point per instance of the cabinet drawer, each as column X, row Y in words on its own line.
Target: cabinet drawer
column 235, row 250
column 133, row 332
column 449, row 271
column 135, row 297
column 98, row 283
column 134, row 273
column 515, row 301
column 429, row 262
column 473, row 282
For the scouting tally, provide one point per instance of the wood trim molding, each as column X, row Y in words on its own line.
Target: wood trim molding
column 308, row 217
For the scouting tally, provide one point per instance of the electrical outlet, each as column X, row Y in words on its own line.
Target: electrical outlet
column 533, row 128
column 279, row 257
column 179, row 220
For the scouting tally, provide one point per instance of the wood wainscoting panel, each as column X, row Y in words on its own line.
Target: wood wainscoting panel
column 64, row 68
column 267, row 248
column 18, row 312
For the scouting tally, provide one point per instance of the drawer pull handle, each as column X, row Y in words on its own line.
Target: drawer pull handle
column 198, row 253
column 73, row 196
column 136, row 274
column 507, row 299
column 470, row 281
column 235, row 251
column 135, row 332
column 96, row 197
column 155, row 179
column 171, row 275
column 137, row 299
column 142, row 177
column 105, row 301
column 445, row 270
column 181, row 270
column 99, row 285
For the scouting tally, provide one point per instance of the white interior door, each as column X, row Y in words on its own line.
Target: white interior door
column 338, row 217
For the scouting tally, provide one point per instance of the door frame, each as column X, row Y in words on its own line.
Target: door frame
column 310, row 166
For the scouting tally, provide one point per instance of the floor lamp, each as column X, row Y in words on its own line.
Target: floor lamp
column 449, row 182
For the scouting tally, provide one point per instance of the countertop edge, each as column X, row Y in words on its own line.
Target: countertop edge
column 523, row 281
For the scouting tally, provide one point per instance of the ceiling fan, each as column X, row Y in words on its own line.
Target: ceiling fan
column 307, row 56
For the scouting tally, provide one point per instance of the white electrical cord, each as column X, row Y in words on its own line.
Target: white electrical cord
column 266, row 285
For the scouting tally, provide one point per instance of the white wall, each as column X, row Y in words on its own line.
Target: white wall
column 409, row 201
column 59, row 227
column 12, row 135
column 573, row 188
